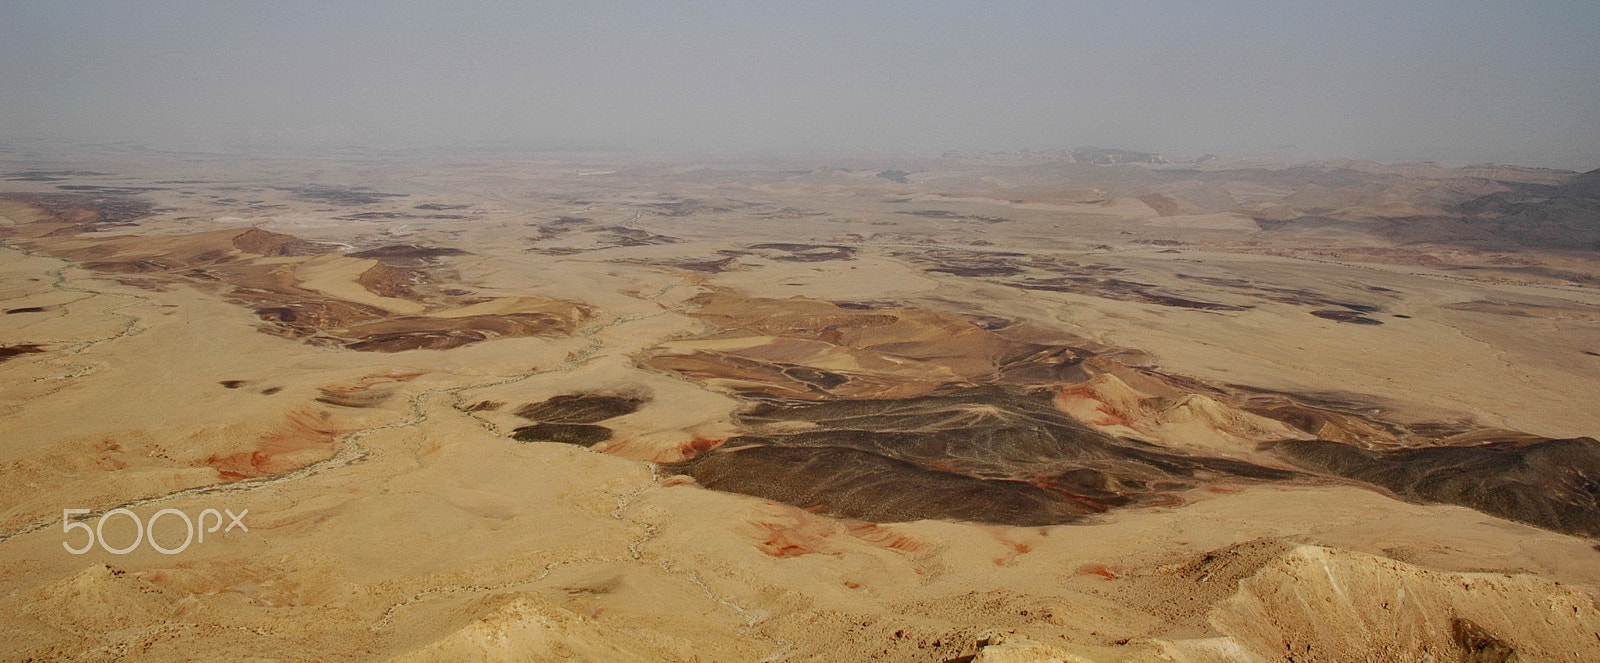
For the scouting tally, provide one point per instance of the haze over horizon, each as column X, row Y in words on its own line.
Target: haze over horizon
column 1427, row 81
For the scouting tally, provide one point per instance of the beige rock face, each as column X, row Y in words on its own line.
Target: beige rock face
column 1023, row 650
column 1320, row 604
column 528, row 628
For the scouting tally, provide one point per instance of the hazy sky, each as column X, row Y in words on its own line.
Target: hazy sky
column 1514, row 82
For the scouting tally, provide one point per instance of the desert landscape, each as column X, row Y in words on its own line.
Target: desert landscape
column 1076, row 405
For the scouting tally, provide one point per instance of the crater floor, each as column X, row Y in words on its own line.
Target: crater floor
column 606, row 408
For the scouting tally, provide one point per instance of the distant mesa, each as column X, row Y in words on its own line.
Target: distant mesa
column 1564, row 216
column 1100, row 156
column 271, row 244
column 1084, row 155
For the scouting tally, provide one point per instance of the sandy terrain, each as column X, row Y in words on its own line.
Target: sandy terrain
column 605, row 408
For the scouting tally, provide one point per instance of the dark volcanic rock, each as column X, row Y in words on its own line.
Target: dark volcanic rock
column 987, row 454
column 1554, row 484
column 579, row 408
column 855, row 484
column 1478, row 645
column 9, row 351
column 1352, row 317
column 428, row 333
column 585, row 435
column 407, row 255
